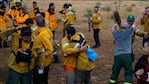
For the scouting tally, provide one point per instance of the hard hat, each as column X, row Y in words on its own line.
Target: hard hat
column 130, row 18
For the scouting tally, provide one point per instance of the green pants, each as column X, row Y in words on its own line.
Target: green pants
column 124, row 61
column 19, row 78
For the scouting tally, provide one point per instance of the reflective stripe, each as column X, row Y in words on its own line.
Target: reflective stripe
column 63, row 20
column 9, row 38
column 82, row 35
column 112, row 81
column 65, row 44
column 99, row 18
column 65, row 54
column 54, row 53
column 137, row 31
column 47, row 53
column 83, row 42
column 127, row 83
column 69, row 13
column 77, row 45
column 43, row 50
column 34, row 28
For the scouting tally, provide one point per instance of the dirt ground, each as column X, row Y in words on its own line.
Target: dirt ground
column 102, row 72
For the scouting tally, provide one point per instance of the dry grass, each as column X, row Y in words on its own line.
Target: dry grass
column 104, row 62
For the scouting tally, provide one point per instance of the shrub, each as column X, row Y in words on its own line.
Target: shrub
column 106, row 8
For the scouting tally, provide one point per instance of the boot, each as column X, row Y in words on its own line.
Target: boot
column 96, row 46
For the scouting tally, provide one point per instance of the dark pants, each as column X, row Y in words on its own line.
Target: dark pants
column 53, row 34
column 145, row 40
column 55, row 55
column 64, row 33
column 40, row 78
column 0, row 42
column 82, row 77
column 122, row 61
column 19, row 78
column 96, row 36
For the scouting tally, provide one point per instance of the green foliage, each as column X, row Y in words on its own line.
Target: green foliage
column 88, row 13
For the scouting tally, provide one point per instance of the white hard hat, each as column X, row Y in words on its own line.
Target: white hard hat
column 18, row 0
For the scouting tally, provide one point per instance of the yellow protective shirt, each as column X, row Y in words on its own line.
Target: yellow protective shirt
column 146, row 24
column 52, row 20
column 145, row 21
column 45, row 36
column 83, row 63
column 38, row 50
column 68, row 19
column 3, row 22
column 35, row 10
column 13, row 13
column 20, row 19
column 96, row 21
column 70, row 53
column 21, row 67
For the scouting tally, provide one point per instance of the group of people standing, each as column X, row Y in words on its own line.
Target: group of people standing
column 33, row 47
column 32, row 41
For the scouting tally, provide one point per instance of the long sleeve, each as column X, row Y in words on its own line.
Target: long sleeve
column 22, row 19
column 139, row 33
column 7, row 32
column 141, row 65
column 47, row 44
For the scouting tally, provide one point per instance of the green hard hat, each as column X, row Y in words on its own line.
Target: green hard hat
column 130, row 18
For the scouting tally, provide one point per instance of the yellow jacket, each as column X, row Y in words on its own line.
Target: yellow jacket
column 38, row 51
column 21, row 67
column 145, row 21
column 63, row 12
column 146, row 24
column 34, row 11
column 45, row 37
column 3, row 22
column 83, row 63
column 68, row 18
column 69, row 52
column 14, row 13
column 20, row 19
column 96, row 21
column 52, row 20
